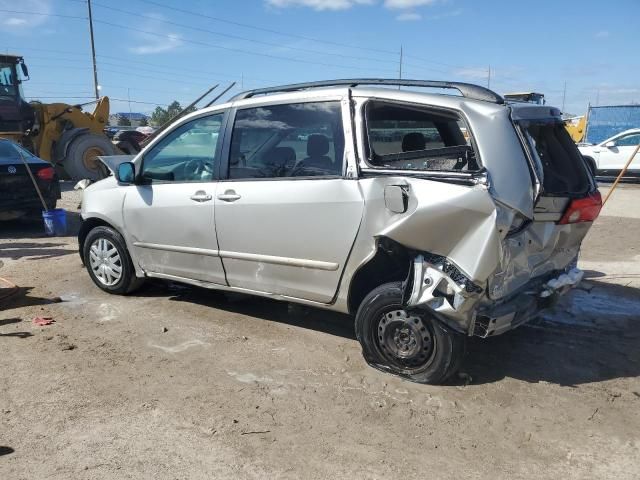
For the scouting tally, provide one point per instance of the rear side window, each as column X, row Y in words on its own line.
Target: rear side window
column 404, row 137
column 563, row 168
column 293, row 140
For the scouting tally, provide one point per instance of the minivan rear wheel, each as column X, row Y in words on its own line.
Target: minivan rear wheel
column 108, row 262
column 411, row 344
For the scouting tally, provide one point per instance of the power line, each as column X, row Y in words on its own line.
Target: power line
column 263, row 29
column 22, row 12
column 238, row 50
column 237, row 37
column 293, row 35
column 140, row 62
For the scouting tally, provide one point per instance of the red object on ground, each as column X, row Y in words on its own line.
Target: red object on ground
column 42, row 321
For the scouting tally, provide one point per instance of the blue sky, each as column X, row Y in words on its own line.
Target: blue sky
column 155, row 51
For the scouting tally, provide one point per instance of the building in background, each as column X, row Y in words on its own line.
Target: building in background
column 133, row 119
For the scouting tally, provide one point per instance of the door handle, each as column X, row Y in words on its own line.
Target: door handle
column 201, row 196
column 229, row 196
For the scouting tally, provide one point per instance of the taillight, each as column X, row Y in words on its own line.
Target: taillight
column 584, row 209
column 46, row 174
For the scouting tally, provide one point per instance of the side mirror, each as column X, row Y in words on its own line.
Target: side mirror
column 610, row 144
column 25, row 71
column 126, row 173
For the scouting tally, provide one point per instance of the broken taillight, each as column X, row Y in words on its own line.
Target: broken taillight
column 584, row 209
column 46, row 174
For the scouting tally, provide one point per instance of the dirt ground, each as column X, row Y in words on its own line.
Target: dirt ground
column 183, row 383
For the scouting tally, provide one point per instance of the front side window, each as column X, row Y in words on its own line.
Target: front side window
column 629, row 140
column 188, row 154
column 294, row 140
column 405, row 137
column 8, row 80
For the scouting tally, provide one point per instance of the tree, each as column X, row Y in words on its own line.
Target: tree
column 144, row 122
column 123, row 121
column 160, row 115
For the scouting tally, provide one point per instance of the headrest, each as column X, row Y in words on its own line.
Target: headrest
column 282, row 156
column 413, row 141
column 317, row 145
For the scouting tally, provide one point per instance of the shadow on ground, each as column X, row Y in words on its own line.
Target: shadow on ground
column 10, row 321
column 564, row 348
column 33, row 227
column 590, row 337
column 6, row 450
column 22, row 298
column 272, row 310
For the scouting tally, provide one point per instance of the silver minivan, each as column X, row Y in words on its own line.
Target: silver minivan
column 429, row 217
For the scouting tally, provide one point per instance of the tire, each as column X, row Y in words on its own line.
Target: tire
column 80, row 162
column 103, row 262
column 384, row 329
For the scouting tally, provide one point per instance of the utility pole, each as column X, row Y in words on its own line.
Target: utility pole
column 564, row 95
column 93, row 52
column 489, row 77
column 129, row 100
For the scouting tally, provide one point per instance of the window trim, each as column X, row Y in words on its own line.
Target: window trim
column 370, row 168
column 226, row 150
column 139, row 180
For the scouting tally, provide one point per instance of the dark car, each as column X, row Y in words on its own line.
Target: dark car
column 129, row 141
column 18, row 196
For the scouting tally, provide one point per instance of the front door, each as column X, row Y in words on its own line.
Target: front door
column 286, row 217
column 169, row 214
column 616, row 156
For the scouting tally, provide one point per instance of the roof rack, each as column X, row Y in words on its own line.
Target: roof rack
column 468, row 90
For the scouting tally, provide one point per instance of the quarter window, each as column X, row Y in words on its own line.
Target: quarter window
column 294, row 140
column 404, row 137
column 188, row 154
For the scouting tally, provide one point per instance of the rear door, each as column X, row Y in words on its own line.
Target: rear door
column 286, row 216
column 169, row 213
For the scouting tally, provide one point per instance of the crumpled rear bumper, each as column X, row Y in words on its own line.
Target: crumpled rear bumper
column 539, row 295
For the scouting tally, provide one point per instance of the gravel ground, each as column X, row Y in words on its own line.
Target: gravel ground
column 183, row 383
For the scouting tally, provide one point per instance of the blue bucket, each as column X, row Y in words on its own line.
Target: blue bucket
column 55, row 222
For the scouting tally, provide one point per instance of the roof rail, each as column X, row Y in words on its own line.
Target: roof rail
column 468, row 90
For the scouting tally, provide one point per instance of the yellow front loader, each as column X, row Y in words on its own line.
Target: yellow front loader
column 62, row 134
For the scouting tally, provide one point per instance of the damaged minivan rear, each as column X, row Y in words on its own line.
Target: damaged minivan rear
column 492, row 202
column 428, row 217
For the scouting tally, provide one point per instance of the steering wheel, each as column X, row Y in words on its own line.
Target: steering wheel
column 198, row 168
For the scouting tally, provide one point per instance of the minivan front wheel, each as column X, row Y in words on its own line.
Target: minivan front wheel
column 411, row 344
column 108, row 262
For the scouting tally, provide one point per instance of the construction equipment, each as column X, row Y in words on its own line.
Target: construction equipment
column 62, row 134
column 576, row 126
column 525, row 97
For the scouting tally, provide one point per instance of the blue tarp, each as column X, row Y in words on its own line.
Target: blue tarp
column 605, row 122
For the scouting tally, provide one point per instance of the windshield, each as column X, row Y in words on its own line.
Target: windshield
column 8, row 80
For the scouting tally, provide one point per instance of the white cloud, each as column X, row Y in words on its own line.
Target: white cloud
column 148, row 44
column 319, row 4
column 407, row 4
column 602, row 34
column 17, row 22
column 409, row 17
